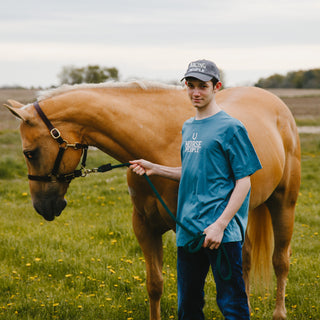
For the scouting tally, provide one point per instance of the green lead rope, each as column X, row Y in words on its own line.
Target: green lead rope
column 195, row 244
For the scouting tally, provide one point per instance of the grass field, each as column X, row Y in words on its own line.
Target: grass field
column 87, row 263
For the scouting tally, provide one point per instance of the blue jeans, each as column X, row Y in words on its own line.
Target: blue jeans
column 192, row 271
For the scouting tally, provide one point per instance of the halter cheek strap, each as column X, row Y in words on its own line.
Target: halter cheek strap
column 55, row 133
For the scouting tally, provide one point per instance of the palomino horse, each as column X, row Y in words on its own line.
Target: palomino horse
column 131, row 121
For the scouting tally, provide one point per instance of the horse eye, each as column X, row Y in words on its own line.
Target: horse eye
column 29, row 154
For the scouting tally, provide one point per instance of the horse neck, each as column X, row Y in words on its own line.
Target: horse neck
column 123, row 126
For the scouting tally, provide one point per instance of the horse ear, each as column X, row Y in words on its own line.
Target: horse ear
column 16, row 110
column 15, row 104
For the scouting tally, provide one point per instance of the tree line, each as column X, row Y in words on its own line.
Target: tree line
column 302, row 79
column 308, row 79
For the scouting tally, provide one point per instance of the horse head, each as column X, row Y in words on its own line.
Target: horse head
column 42, row 150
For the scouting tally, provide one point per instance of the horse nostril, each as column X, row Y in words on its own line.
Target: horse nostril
column 62, row 205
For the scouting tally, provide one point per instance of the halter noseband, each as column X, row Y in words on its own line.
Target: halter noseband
column 54, row 176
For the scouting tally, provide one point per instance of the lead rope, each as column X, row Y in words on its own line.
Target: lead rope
column 197, row 240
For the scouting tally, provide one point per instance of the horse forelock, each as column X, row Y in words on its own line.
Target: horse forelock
column 139, row 84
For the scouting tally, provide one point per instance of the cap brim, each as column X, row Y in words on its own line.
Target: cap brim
column 199, row 76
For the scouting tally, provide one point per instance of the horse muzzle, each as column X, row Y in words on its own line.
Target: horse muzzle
column 49, row 207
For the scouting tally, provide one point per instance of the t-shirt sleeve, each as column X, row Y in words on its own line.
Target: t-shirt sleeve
column 242, row 156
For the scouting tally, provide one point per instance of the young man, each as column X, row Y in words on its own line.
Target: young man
column 217, row 161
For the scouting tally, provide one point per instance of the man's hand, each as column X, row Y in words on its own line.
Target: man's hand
column 214, row 235
column 141, row 167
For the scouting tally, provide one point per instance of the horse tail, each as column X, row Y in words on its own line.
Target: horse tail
column 260, row 233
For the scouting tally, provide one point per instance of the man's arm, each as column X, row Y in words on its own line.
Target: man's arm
column 142, row 167
column 214, row 232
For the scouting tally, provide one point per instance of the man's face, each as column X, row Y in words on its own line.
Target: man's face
column 200, row 93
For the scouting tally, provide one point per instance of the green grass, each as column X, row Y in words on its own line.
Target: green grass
column 313, row 121
column 87, row 263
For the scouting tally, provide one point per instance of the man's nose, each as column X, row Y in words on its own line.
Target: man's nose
column 196, row 91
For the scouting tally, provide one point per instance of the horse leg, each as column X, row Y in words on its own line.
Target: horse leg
column 281, row 206
column 151, row 244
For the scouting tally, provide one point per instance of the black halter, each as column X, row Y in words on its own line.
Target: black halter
column 54, row 176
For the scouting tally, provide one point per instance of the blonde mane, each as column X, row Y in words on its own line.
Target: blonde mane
column 145, row 85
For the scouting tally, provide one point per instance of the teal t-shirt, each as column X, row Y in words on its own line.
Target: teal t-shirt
column 215, row 152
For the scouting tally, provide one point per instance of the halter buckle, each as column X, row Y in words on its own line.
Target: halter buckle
column 55, row 133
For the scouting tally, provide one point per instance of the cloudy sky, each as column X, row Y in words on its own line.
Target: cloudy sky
column 156, row 39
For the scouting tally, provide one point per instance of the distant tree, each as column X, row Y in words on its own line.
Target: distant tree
column 311, row 78
column 88, row 74
column 71, row 75
column 274, row 81
column 293, row 79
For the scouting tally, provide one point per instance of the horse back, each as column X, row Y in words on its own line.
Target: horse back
column 272, row 130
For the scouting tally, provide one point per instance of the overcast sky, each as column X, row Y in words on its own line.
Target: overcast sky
column 157, row 39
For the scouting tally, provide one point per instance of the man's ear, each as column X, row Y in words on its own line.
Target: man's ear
column 218, row 86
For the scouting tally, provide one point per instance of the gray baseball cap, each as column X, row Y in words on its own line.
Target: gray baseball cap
column 203, row 70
